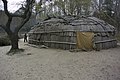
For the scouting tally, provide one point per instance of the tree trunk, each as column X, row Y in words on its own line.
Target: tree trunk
column 14, row 41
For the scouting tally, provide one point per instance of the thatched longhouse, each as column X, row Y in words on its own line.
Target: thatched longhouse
column 84, row 33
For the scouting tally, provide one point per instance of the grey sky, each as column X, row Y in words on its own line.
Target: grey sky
column 13, row 5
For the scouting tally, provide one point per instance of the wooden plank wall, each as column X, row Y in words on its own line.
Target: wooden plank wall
column 60, row 40
column 104, row 41
column 67, row 40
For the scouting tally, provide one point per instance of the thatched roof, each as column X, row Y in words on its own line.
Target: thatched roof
column 73, row 23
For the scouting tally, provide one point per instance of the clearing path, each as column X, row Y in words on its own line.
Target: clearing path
column 55, row 64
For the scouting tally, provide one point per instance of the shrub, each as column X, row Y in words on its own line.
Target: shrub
column 118, row 37
column 4, row 41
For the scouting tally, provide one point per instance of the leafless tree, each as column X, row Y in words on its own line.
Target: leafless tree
column 25, row 16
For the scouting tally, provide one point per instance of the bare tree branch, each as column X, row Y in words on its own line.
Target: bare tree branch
column 28, row 7
column 9, row 22
column 6, row 8
column 29, row 2
column 27, row 14
column 8, row 14
column 17, row 15
column 22, row 23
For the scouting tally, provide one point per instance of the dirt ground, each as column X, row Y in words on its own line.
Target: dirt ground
column 55, row 64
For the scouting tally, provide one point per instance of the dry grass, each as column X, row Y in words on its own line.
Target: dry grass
column 4, row 41
column 56, row 64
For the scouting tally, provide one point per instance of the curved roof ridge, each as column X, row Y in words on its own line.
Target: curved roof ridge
column 97, row 20
column 82, row 24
